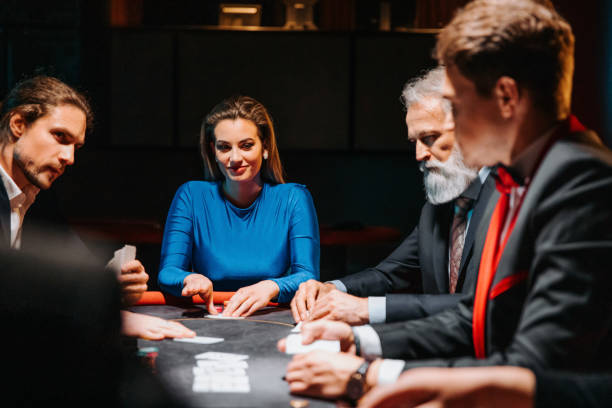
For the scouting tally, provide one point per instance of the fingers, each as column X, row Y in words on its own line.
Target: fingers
column 300, row 304
column 177, row 330
column 244, row 306
column 311, row 332
column 134, row 277
column 233, row 303
column 254, row 307
column 320, row 310
column 133, row 266
column 294, row 310
column 305, row 298
column 211, row 304
column 281, row 345
column 311, row 298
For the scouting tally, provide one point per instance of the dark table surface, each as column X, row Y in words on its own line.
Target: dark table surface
column 255, row 336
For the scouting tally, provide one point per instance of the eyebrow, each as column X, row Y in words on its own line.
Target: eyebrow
column 248, row 139
column 68, row 133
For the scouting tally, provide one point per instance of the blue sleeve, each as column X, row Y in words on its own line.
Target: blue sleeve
column 177, row 244
column 304, row 245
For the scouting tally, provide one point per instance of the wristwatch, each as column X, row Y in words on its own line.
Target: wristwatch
column 355, row 387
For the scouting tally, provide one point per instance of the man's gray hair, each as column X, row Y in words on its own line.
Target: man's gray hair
column 427, row 85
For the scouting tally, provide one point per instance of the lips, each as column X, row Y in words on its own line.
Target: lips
column 56, row 172
column 239, row 169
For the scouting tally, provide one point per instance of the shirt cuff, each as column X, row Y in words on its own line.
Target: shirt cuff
column 389, row 371
column 339, row 285
column 369, row 342
column 377, row 309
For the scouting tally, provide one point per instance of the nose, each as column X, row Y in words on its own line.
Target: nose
column 67, row 155
column 235, row 156
column 422, row 151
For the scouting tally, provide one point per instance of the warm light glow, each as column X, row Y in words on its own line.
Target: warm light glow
column 239, row 10
column 299, row 5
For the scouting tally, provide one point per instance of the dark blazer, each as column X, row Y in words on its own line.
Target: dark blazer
column 550, row 304
column 43, row 222
column 561, row 390
column 420, row 263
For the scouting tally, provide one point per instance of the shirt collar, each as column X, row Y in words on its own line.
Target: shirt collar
column 14, row 193
column 525, row 163
column 473, row 190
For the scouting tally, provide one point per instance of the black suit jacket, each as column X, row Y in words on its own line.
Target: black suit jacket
column 420, row 263
column 42, row 224
column 550, row 303
column 561, row 390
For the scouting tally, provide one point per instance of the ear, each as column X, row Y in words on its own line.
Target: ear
column 17, row 124
column 507, row 96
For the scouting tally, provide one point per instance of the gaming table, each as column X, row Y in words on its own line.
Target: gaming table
column 255, row 336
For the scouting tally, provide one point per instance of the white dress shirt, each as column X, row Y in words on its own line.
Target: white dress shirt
column 20, row 201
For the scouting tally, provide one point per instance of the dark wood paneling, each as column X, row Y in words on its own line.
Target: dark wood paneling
column 301, row 78
column 142, row 86
column 383, row 64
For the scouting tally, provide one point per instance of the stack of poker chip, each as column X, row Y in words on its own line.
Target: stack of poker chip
column 221, row 372
column 147, row 356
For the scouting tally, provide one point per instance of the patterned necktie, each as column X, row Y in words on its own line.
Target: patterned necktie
column 462, row 206
column 491, row 253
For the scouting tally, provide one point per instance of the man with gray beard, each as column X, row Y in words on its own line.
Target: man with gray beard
column 437, row 263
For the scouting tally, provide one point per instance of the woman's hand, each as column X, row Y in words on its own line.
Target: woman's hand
column 196, row 284
column 251, row 298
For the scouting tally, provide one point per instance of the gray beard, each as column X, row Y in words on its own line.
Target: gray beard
column 445, row 181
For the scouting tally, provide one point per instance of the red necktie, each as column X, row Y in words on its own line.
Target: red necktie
column 490, row 258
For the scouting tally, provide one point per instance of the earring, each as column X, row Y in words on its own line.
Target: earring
column 265, row 155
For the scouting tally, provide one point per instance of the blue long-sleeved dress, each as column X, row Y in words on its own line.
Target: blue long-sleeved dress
column 275, row 238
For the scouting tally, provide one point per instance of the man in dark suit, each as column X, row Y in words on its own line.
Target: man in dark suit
column 502, row 387
column 420, row 264
column 542, row 298
column 42, row 122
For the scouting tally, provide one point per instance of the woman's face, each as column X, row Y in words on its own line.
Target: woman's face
column 238, row 150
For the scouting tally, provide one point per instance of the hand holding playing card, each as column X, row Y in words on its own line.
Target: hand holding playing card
column 196, row 284
column 325, row 330
column 133, row 282
column 251, row 298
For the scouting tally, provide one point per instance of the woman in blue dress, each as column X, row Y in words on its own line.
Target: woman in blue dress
column 243, row 229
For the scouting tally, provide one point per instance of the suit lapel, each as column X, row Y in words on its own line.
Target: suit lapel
column 5, row 215
column 440, row 240
column 478, row 215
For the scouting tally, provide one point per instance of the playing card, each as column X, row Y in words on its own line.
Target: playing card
column 219, row 356
column 218, row 316
column 200, row 340
column 121, row 256
column 294, row 345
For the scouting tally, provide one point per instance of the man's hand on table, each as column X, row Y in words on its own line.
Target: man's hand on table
column 337, row 305
column 251, row 298
column 305, row 297
column 151, row 327
column 325, row 330
column 197, row 284
column 503, row 387
column 133, row 282
column 321, row 373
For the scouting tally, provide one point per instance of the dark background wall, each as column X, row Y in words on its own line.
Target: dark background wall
column 333, row 94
